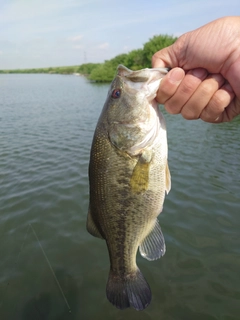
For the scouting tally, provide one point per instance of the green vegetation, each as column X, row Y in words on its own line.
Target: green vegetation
column 134, row 60
column 104, row 72
column 84, row 69
column 87, row 68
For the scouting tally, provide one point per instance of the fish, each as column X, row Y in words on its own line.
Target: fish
column 128, row 179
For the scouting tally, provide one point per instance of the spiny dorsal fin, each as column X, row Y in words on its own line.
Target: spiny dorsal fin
column 153, row 246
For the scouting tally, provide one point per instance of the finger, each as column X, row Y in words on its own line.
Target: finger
column 185, row 90
column 232, row 75
column 215, row 109
column 169, row 84
column 201, row 97
column 232, row 110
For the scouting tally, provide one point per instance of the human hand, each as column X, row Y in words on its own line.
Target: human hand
column 207, row 84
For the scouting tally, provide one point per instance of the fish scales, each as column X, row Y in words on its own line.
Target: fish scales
column 128, row 179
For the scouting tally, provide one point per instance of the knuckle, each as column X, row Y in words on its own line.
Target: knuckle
column 210, row 117
column 168, row 87
column 205, row 117
column 165, row 92
column 206, row 89
column 172, row 108
column 233, row 110
column 219, row 101
column 187, row 88
column 221, row 98
column 189, row 115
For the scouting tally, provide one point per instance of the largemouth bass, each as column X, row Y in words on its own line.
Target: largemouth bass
column 129, row 176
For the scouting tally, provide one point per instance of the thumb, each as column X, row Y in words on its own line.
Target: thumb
column 165, row 58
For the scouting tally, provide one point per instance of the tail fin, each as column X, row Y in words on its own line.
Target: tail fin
column 130, row 291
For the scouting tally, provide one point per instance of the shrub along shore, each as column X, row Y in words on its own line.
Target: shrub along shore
column 104, row 72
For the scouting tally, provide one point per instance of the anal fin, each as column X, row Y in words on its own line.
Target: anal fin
column 153, row 246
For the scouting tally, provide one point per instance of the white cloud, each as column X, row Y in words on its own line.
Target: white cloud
column 76, row 38
column 78, row 46
column 104, row 45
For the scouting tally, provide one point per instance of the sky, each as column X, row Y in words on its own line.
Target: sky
column 49, row 33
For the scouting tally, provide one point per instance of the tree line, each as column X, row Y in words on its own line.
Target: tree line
column 104, row 72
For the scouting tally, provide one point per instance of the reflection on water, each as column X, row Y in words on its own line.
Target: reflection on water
column 46, row 127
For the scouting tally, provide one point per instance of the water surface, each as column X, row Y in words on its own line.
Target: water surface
column 46, row 128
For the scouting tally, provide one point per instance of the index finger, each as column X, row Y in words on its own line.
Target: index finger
column 169, row 84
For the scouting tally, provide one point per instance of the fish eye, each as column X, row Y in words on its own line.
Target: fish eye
column 116, row 93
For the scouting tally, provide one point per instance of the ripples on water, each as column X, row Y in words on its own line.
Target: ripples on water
column 46, row 128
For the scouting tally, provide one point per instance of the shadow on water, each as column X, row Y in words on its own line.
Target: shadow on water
column 47, row 306
column 37, row 308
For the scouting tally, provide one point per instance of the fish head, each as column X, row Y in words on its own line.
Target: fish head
column 132, row 111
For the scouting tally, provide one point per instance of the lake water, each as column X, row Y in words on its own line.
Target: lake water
column 51, row 268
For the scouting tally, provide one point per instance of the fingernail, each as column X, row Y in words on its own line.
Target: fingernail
column 199, row 73
column 176, row 75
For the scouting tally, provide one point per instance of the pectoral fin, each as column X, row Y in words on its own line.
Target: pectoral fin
column 168, row 179
column 140, row 176
column 153, row 246
column 91, row 226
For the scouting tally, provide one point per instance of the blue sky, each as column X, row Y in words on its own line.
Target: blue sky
column 44, row 33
